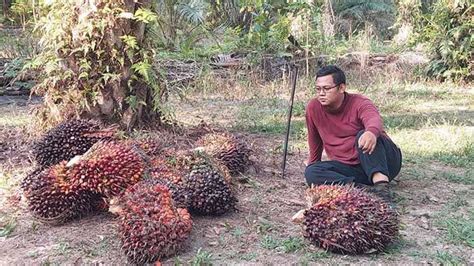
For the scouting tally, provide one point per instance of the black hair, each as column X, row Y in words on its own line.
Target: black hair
column 337, row 74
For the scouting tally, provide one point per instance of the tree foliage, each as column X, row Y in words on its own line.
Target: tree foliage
column 357, row 15
column 448, row 32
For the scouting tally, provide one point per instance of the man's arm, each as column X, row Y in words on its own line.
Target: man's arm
column 373, row 126
column 370, row 117
column 314, row 139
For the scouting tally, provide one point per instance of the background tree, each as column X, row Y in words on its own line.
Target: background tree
column 96, row 62
column 357, row 15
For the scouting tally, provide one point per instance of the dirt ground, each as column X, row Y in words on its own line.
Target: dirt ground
column 258, row 233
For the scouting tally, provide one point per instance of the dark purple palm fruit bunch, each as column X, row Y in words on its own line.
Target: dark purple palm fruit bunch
column 53, row 199
column 68, row 139
column 348, row 220
column 151, row 227
column 207, row 185
column 208, row 192
column 227, row 149
column 109, row 167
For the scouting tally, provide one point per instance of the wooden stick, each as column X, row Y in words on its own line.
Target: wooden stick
column 290, row 111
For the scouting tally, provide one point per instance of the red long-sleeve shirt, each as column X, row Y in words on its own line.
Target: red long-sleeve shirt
column 336, row 131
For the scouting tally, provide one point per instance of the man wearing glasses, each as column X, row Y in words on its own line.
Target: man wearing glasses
column 349, row 128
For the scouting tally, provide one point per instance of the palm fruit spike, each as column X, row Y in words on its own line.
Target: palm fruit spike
column 209, row 193
column 108, row 168
column 53, row 200
column 348, row 220
column 67, row 140
column 227, row 149
column 150, row 226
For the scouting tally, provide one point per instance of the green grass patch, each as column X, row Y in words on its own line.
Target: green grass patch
column 202, row 258
column 466, row 178
column 446, row 258
column 270, row 116
column 449, row 144
column 458, row 229
column 286, row 245
column 7, row 225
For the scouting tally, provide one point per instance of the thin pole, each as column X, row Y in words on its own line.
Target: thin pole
column 290, row 111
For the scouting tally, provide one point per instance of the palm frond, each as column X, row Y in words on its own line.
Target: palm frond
column 194, row 11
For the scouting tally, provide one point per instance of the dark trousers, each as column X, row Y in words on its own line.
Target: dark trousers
column 386, row 158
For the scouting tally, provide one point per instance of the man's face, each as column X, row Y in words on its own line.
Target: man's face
column 327, row 92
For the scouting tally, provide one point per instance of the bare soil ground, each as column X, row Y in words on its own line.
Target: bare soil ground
column 259, row 233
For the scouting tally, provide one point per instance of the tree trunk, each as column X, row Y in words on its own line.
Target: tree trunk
column 328, row 19
column 6, row 4
column 112, row 105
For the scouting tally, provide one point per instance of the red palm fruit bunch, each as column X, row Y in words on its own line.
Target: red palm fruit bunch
column 151, row 227
column 53, row 199
column 228, row 150
column 108, row 168
column 67, row 140
column 347, row 220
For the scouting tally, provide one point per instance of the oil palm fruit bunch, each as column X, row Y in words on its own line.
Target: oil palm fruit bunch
column 228, row 150
column 348, row 220
column 67, row 140
column 108, row 168
column 187, row 160
column 208, row 191
column 150, row 226
column 53, row 199
column 205, row 182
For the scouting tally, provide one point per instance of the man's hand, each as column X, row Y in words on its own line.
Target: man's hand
column 367, row 142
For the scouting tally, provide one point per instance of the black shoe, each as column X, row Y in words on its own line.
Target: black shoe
column 382, row 190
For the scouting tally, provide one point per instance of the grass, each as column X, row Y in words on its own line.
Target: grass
column 448, row 144
column 316, row 256
column 458, row 229
column 269, row 116
column 286, row 245
column 466, row 178
column 10, row 117
column 446, row 258
column 202, row 258
column 7, row 225
column 248, row 256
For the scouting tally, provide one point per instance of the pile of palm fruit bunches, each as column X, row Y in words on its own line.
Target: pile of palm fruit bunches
column 83, row 168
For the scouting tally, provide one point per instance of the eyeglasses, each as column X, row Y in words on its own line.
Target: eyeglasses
column 325, row 89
